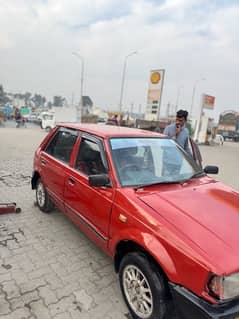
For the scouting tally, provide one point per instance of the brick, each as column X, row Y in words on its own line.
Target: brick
column 10, row 289
column 67, row 290
column 32, row 285
column 22, row 313
column 40, row 310
column 5, row 277
column 4, row 305
column 59, row 269
column 53, row 280
column 84, row 299
column 24, row 300
column 64, row 315
column 48, row 295
column 61, row 306
column 38, row 273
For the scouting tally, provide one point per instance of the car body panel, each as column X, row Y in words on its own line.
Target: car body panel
column 206, row 218
column 53, row 177
column 178, row 257
column 189, row 227
column 92, row 204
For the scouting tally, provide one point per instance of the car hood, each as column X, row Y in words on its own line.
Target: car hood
column 206, row 214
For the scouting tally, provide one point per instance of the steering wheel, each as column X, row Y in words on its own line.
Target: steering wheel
column 129, row 168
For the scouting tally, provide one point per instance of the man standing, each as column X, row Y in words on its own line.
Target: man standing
column 172, row 160
column 178, row 131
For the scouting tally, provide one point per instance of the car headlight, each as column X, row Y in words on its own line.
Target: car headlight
column 224, row 287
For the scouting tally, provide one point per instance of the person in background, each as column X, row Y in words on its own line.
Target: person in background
column 178, row 131
column 17, row 115
column 113, row 120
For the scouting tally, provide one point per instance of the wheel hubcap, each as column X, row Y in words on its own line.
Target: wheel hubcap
column 138, row 291
column 40, row 195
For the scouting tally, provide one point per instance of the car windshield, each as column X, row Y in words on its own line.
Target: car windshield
column 146, row 161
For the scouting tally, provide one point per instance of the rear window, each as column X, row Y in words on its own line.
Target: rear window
column 62, row 144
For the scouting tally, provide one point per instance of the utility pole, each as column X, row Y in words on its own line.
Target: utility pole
column 123, row 80
column 80, row 107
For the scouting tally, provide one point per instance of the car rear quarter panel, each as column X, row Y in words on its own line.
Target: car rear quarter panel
column 36, row 164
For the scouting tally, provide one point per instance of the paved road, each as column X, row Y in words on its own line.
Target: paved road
column 48, row 268
column 226, row 157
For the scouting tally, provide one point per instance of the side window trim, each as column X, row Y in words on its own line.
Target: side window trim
column 100, row 142
column 60, row 130
column 91, row 163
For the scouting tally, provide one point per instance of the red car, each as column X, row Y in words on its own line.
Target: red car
column 171, row 230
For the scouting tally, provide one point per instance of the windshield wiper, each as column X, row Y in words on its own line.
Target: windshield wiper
column 159, row 183
column 198, row 174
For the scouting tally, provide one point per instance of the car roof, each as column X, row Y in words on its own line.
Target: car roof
column 106, row 131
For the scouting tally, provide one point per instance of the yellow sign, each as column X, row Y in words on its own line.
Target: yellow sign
column 155, row 77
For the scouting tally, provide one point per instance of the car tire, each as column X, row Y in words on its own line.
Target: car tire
column 42, row 198
column 143, row 287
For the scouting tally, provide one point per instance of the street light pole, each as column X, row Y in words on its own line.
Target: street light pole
column 123, row 79
column 80, row 107
column 193, row 95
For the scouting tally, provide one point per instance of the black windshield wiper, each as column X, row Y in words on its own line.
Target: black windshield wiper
column 159, row 183
column 198, row 174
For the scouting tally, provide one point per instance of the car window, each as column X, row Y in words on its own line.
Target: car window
column 62, row 144
column 89, row 158
column 150, row 160
column 47, row 117
column 195, row 151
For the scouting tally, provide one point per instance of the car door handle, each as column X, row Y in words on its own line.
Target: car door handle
column 71, row 181
column 43, row 162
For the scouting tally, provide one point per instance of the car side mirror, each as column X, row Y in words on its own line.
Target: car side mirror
column 211, row 169
column 99, row 180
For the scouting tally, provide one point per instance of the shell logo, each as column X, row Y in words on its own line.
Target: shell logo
column 155, row 77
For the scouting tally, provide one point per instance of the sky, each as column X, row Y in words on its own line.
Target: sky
column 195, row 41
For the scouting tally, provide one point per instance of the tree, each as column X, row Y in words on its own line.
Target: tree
column 39, row 100
column 1, row 94
column 28, row 98
column 58, row 101
column 49, row 105
column 4, row 99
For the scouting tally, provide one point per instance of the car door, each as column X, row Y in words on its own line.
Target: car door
column 88, row 206
column 54, row 161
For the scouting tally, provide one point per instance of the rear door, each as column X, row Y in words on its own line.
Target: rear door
column 88, row 206
column 54, row 161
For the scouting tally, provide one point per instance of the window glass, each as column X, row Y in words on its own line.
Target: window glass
column 89, row 158
column 144, row 161
column 62, row 144
column 47, row 117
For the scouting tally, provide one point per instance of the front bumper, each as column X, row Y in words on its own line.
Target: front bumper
column 189, row 306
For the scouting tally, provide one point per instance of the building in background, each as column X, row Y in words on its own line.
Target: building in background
column 228, row 125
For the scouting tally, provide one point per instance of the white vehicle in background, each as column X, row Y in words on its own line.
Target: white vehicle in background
column 48, row 119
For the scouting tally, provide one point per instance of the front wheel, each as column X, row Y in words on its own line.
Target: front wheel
column 143, row 287
column 42, row 198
